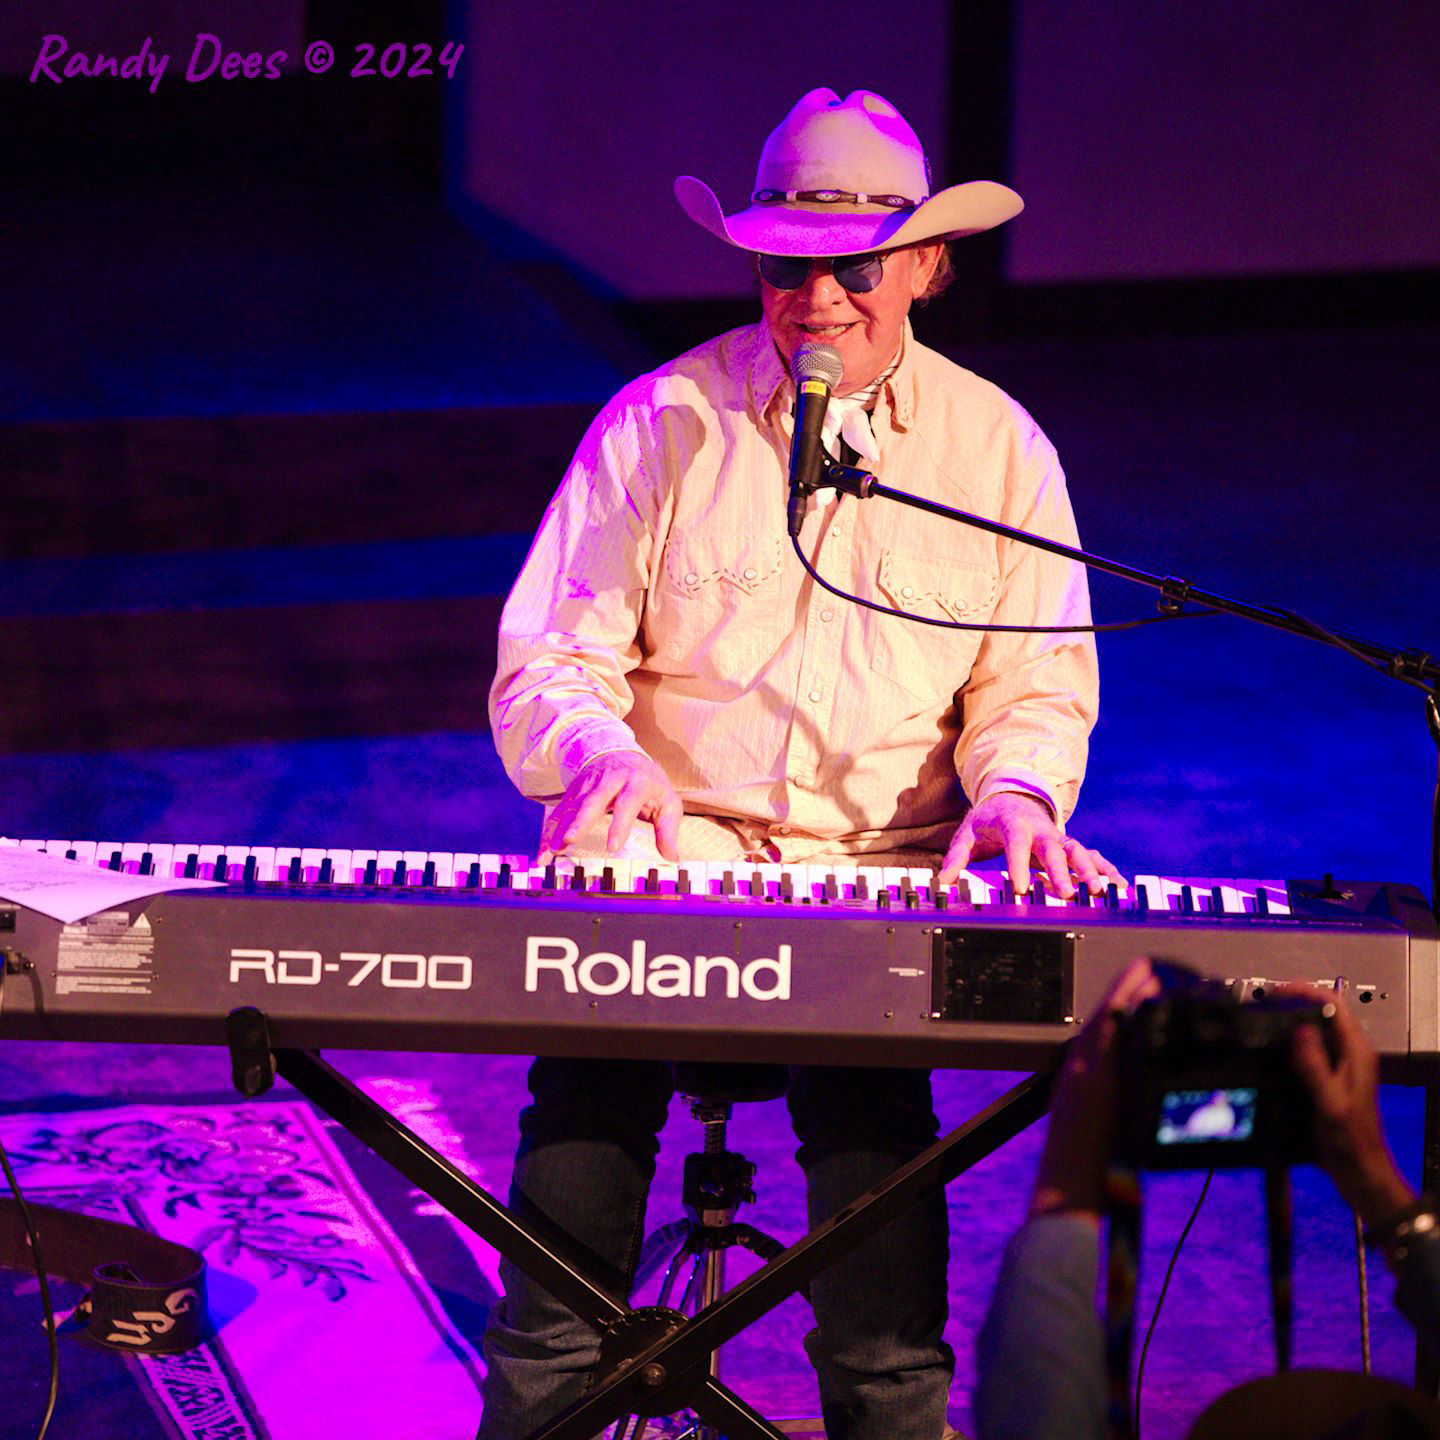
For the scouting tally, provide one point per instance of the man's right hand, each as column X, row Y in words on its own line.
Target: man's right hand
column 626, row 785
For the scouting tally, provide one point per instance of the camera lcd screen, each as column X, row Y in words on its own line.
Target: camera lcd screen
column 1194, row 1117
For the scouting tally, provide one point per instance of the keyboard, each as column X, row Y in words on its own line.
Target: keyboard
column 410, row 949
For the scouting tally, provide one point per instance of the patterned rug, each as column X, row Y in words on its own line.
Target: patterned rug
column 324, row 1321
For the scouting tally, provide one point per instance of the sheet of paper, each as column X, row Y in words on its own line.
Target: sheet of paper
column 68, row 891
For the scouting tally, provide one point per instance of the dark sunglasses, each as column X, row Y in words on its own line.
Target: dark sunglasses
column 855, row 273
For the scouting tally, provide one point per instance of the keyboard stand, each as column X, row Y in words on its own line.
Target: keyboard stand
column 655, row 1361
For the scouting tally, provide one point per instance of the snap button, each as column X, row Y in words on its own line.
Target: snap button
column 827, row 615
column 692, row 578
column 815, row 696
column 907, row 592
column 751, row 572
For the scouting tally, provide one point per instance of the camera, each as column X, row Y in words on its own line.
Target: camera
column 1206, row 1079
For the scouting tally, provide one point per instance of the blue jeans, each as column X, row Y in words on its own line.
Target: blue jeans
column 586, row 1159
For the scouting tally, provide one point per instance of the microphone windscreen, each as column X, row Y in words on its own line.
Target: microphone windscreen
column 817, row 362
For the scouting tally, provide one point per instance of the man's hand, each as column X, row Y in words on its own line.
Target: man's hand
column 629, row 787
column 1349, row 1135
column 1020, row 827
column 1081, row 1137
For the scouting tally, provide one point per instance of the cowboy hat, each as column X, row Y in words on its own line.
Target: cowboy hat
column 846, row 177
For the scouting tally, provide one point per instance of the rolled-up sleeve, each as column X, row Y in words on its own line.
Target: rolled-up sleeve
column 1031, row 700
column 569, row 630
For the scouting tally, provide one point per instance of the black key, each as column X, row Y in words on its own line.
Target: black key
column 72, row 854
column 607, row 880
column 652, row 881
column 427, row 876
column 327, row 871
column 147, row 864
column 832, row 889
column 1007, row 891
column 682, row 882
column 192, row 865
column 787, row 887
column 1112, row 896
column 862, row 888
column 294, row 875
column 1262, row 901
column 115, row 863
column 1217, row 901
column 727, row 883
column 399, row 877
column 474, row 876
column 249, row 876
column 372, row 872
column 502, row 880
column 1187, row 900
column 550, row 880
column 577, row 878
column 222, row 864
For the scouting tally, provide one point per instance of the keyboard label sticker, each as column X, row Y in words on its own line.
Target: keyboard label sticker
column 106, row 955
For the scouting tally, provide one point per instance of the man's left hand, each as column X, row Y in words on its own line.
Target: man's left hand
column 1021, row 828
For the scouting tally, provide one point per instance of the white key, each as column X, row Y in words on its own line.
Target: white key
column 180, row 854
column 461, row 862
column 235, row 857
column 799, row 878
column 415, row 866
column 1278, row 894
column 874, row 879
column 922, row 878
column 208, row 856
column 84, row 851
column 359, row 859
column 36, row 845
column 342, row 866
column 284, row 855
column 980, row 890
column 104, row 850
column 130, row 854
column 58, row 848
column 711, row 875
column 444, row 863
column 310, row 858
column 1231, row 900
column 264, row 858
column 895, row 878
column 1153, row 889
column 160, row 859
column 386, row 861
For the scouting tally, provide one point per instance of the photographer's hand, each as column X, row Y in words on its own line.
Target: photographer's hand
column 1081, row 1138
column 1349, row 1134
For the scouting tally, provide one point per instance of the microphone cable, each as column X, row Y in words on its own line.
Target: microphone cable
column 50, row 1327
column 824, row 584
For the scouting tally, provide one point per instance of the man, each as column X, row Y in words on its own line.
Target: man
column 665, row 659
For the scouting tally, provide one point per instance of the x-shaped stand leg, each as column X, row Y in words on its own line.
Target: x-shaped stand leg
column 659, row 1361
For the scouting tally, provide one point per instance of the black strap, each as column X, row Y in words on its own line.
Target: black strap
column 147, row 1295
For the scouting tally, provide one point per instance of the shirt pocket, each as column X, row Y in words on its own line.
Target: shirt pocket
column 721, row 600
column 929, row 662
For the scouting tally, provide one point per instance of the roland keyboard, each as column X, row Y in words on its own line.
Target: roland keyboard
column 375, row 949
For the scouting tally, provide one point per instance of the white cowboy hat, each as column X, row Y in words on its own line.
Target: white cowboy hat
column 846, row 177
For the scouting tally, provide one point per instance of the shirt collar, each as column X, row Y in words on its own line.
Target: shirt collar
column 768, row 381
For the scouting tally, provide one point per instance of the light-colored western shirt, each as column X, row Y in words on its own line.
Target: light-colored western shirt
column 661, row 609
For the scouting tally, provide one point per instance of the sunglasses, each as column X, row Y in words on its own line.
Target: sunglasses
column 855, row 273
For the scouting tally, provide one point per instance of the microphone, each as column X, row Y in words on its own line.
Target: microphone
column 816, row 370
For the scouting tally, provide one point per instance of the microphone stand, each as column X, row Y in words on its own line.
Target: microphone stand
column 1411, row 667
